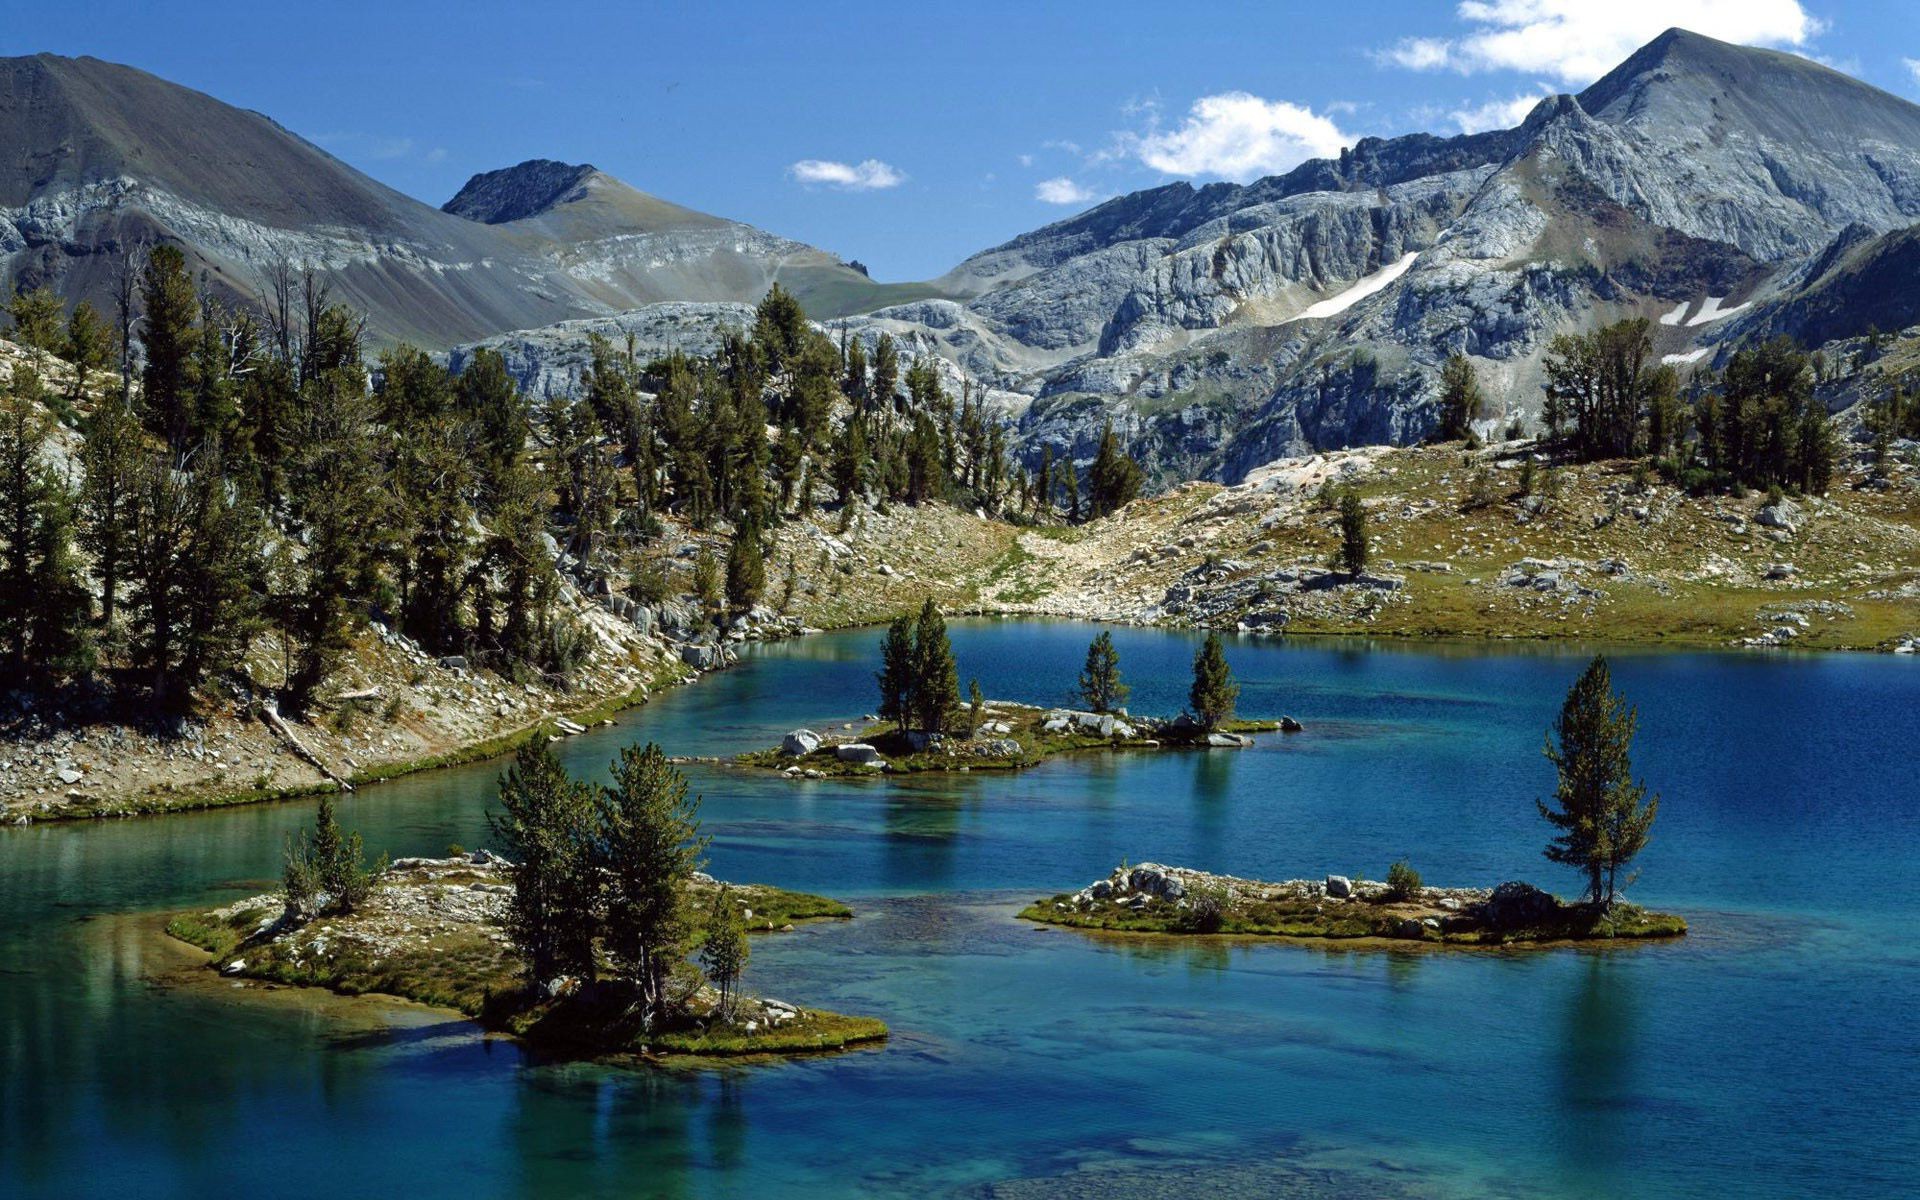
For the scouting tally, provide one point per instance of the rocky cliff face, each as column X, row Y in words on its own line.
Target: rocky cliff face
column 1224, row 326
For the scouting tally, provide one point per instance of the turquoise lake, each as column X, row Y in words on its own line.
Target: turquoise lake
column 1774, row 1052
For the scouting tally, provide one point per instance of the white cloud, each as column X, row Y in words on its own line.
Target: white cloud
column 1061, row 190
column 1238, row 136
column 1496, row 114
column 1913, row 67
column 1026, row 160
column 1577, row 41
column 864, row 176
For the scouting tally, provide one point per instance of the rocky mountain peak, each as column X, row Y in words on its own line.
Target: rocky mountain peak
column 513, row 193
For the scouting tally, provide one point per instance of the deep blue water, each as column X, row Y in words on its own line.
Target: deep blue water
column 1771, row 1053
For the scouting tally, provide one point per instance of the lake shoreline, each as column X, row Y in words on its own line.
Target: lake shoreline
column 602, row 709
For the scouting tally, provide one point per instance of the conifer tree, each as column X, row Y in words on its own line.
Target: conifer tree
column 44, row 605
column 850, row 459
column 1073, row 489
column 547, row 826
column 1460, row 399
column 340, row 501
column 1114, row 479
column 724, row 950
column 650, row 843
column 1353, row 532
column 1214, row 692
column 895, row 676
column 89, row 346
column 936, row 678
column 36, row 320
column 1100, row 682
column 886, row 371
column 1601, row 811
column 170, row 336
column 746, row 569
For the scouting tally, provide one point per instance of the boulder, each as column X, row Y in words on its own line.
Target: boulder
column 1782, row 514
column 800, row 743
column 699, row 658
column 1514, row 905
column 1000, row 748
column 922, row 742
column 1152, row 879
column 1412, row 928
column 1289, row 725
column 1226, row 740
column 454, row 662
column 856, row 752
column 1339, row 886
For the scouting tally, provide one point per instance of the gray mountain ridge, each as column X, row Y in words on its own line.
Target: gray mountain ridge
column 96, row 158
column 1697, row 185
column 1721, row 192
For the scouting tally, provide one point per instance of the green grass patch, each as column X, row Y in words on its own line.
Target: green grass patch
column 1311, row 918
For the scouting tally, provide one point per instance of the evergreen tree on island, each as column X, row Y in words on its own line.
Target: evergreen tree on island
column 650, row 846
column 1602, row 813
column 1100, row 682
column 1214, row 691
column 548, row 830
column 895, row 676
column 936, row 678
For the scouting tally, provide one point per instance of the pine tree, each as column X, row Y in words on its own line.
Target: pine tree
column 1073, row 489
column 746, row 569
column 724, row 950
column 193, row 568
column 1601, row 812
column 36, row 320
column 89, row 346
column 1100, row 682
column 706, row 580
column 649, row 834
column 886, row 371
column 1460, row 398
column 1214, row 692
column 936, row 678
column 44, row 604
column 895, row 676
column 340, row 502
column 1353, row 532
column 170, row 335
column 547, row 827
column 850, row 459
column 1114, row 479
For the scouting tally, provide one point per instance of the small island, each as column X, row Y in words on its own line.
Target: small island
column 1602, row 814
column 1150, row 898
column 585, row 946
column 923, row 726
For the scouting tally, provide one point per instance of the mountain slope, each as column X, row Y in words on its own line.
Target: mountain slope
column 1223, row 326
column 97, row 157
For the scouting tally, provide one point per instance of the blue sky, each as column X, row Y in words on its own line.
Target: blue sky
column 908, row 135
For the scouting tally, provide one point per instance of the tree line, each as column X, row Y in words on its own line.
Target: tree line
column 1757, row 423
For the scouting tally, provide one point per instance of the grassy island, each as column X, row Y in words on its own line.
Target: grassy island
column 1151, row 898
column 431, row 931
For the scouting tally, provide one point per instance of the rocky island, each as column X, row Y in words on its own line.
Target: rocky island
column 1151, row 898
column 434, row 930
column 1010, row 736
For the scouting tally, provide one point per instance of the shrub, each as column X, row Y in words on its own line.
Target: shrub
column 1206, row 910
column 651, row 584
column 1403, row 882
